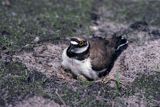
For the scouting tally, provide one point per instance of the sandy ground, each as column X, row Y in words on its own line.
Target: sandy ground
column 37, row 102
column 136, row 59
column 140, row 58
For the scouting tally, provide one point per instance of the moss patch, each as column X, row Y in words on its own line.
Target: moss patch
column 24, row 20
column 16, row 83
column 149, row 85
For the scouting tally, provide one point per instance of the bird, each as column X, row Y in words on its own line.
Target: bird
column 94, row 57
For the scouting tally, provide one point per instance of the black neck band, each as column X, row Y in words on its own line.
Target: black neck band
column 78, row 56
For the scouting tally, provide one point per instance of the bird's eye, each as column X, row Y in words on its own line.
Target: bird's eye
column 81, row 43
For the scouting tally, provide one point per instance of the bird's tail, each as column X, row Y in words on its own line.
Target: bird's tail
column 121, row 43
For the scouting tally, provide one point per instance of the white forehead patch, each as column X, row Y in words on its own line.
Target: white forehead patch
column 74, row 43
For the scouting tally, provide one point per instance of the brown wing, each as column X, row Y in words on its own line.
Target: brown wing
column 100, row 53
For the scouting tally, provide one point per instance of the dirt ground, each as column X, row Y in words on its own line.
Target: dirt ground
column 31, row 73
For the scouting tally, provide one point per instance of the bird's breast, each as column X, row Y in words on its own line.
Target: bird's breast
column 71, row 63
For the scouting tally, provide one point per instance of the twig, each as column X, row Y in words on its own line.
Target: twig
column 60, row 98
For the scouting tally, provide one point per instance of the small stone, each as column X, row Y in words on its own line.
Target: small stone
column 94, row 28
column 13, row 14
column 36, row 39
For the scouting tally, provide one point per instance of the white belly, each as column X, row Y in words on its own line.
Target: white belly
column 78, row 67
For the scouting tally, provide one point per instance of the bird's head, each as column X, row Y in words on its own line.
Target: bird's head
column 78, row 45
